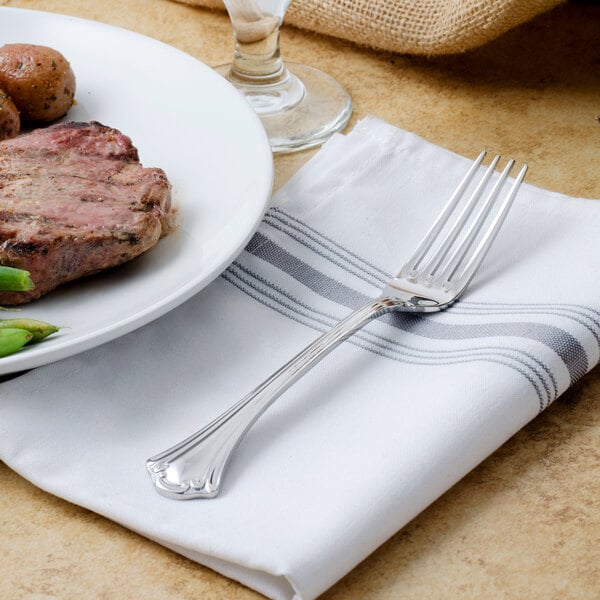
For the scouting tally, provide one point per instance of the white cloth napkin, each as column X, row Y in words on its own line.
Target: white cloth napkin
column 373, row 434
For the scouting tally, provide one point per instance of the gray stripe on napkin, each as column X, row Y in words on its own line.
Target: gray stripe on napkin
column 390, row 351
column 560, row 341
column 279, row 300
column 294, row 306
column 583, row 315
column 361, row 268
column 317, row 243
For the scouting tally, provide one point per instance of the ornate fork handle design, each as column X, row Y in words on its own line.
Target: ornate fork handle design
column 194, row 468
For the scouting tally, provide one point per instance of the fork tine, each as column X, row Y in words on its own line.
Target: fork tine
column 488, row 238
column 413, row 262
column 428, row 271
column 444, row 278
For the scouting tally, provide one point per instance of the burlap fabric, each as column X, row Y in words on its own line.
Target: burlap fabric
column 410, row 26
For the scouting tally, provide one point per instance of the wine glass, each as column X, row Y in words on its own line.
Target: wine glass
column 299, row 106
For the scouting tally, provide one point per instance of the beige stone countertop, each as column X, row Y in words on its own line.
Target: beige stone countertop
column 525, row 523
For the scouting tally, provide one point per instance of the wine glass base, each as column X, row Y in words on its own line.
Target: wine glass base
column 304, row 113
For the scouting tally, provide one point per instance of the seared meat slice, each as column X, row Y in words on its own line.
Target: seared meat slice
column 74, row 199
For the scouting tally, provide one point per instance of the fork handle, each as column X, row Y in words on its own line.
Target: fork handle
column 194, row 467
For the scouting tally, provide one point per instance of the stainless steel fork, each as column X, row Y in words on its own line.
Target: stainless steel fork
column 431, row 280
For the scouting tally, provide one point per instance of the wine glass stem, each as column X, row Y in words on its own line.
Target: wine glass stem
column 256, row 58
column 299, row 106
column 258, row 62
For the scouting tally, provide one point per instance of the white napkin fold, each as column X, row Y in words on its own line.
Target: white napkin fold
column 373, row 434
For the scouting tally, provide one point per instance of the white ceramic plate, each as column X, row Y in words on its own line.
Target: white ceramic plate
column 182, row 117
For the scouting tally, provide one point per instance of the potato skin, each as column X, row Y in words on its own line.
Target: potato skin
column 39, row 81
column 10, row 122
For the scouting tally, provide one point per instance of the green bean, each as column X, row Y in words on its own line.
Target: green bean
column 15, row 333
column 38, row 329
column 15, row 280
column 12, row 340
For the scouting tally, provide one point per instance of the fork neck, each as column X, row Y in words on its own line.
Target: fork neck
column 419, row 298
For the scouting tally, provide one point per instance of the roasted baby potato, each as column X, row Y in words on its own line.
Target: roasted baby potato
column 38, row 79
column 10, row 122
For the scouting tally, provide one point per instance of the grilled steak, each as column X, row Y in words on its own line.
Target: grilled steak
column 74, row 199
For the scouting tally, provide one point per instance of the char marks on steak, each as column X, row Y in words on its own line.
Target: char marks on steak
column 74, row 200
